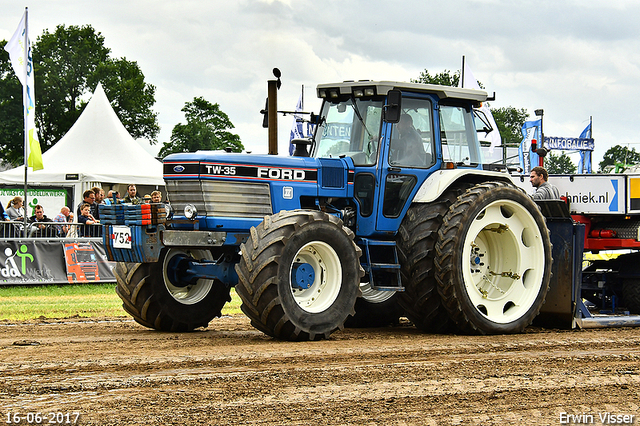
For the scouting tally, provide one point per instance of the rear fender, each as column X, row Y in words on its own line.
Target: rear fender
column 438, row 182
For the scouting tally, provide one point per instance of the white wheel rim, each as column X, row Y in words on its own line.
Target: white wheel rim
column 327, row 280
column 191, row 294
column 375, row 296
column 503, row 261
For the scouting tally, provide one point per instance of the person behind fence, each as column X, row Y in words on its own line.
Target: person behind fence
column 86, row 220
column 64, row 216
column 132, row 195
column 3, row 214
column 544, row 190
column 99, row 193
column 16, row 211
column 37, row 227
column 88, row 197
column 156, row 197
column 109, row 200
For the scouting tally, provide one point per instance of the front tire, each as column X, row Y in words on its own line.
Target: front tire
column 153, row 301
column 299, row 275
column 493, row 263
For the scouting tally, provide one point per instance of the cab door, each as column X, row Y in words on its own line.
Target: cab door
column 410, row 156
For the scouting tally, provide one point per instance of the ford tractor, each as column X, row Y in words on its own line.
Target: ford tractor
column 387, row 211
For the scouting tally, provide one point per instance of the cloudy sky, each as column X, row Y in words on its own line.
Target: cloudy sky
column 574, row 59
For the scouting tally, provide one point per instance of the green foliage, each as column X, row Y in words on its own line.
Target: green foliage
column 207, row 128
column 619, row 154
column 69, row 63
column 445, row 78
column 131, row 98
column 509, row 121
column 11, row 112
column 559, row 164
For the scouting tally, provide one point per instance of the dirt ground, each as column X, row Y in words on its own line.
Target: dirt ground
column 115, row 372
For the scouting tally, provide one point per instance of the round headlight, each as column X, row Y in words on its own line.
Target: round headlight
column 169, row 210
column 190, row 211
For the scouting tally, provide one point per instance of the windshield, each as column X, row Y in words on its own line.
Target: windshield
column 350, row 128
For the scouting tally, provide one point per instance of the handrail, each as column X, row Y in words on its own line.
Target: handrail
column 13, row 230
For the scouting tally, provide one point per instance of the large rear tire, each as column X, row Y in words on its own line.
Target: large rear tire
column 416, row 241
column 299, row 275
column 493, row 262
column 153, row 301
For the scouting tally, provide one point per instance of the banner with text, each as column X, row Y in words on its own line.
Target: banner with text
column 54, row 262
column 569, row 144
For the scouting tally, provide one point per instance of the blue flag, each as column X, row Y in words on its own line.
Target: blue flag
column 296, row 127
column 584, row 166
column 527, row 157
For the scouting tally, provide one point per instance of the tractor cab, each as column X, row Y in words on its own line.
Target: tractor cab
column 397, row 135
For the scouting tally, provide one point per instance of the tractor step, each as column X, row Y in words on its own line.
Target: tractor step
column 385, row 266
column 385, row 288
column 380, row 261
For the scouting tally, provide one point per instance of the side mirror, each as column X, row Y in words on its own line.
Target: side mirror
column 393, row 107
column 482, row 122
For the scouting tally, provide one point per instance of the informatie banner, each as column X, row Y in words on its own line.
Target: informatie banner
column 569, row 144
column 53, row 262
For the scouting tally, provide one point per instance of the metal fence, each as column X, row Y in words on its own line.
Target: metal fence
column 49, row 230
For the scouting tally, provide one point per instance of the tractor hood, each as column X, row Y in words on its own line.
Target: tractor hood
column 334, row 173
column 212, row 164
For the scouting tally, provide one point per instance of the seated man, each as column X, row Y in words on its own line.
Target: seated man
column 410, row 148
column 37, row 229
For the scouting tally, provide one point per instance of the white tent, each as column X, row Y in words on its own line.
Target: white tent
column 96, row 150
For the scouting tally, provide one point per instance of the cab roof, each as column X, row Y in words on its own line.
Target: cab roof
column 383, row 87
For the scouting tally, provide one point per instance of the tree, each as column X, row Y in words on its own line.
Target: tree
column 559, row 164
column 619, row 154
column 445, row 78
column 11, row 112
column 509, row 121
column 131, row 98
column 68, row 65
column 207, row 128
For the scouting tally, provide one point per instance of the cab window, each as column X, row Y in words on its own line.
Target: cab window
column 412, row 143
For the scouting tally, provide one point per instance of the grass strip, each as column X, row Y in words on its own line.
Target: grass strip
column 21, row 303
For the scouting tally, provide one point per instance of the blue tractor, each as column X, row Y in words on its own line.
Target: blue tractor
column 387, row 211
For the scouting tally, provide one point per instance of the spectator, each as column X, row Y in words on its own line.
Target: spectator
column 544, row 190
column 89, row 197
column 109, row 200
column 3, row 214
column 16, row 211
column 64, row 216
column 156, row 197
column 37, row 229
column 86, row 218
column 146, row 199
column 99, row 192
column 132, row 195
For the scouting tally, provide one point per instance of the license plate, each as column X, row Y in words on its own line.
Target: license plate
column 121, row 237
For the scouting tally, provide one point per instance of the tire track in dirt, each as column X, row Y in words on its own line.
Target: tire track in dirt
column 119, row 373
